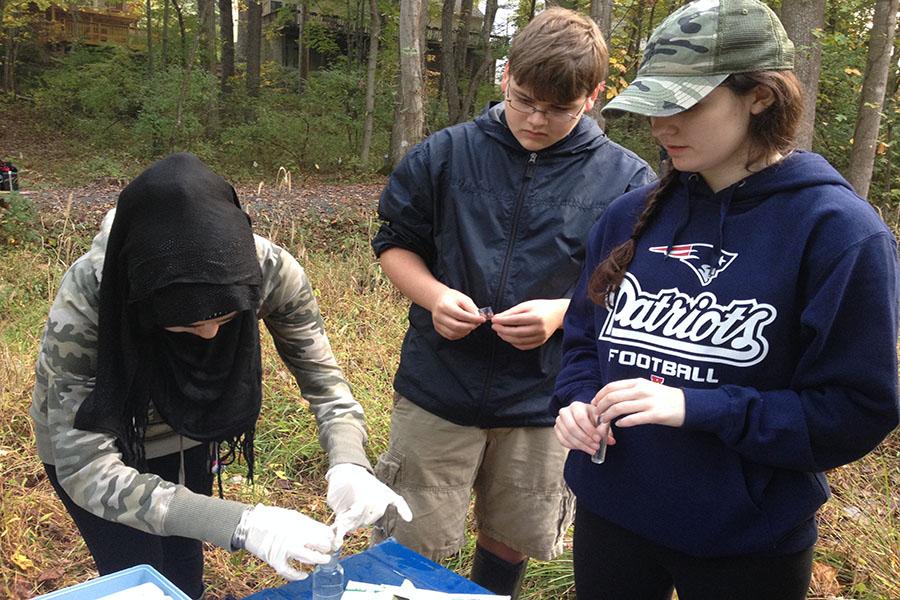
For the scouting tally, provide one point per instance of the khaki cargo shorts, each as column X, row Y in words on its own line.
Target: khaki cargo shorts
column 516, row 473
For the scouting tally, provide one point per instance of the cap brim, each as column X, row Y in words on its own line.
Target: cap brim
column 662, row 96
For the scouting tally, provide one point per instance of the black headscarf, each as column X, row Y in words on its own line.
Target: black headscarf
column 180, row 251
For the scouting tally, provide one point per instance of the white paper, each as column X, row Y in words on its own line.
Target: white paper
column 145, row 591
column 358, row 590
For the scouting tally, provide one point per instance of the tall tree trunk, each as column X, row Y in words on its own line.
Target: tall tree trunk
column 226, row 32
column 254, row 43
column 149, row 38
column 371, row 69
column 165, row 35
column 241, row 45
column 9, row 61
column 881, row 41
column 5, row 46
column 185, row 80
column 209, row 28
column 410, row 116
column 423, row 41
column 302, row 47
column 482, row 71
column 183, row 32
column 801, row 19
column 449, row 82
column 207, row 25
column 601, row 13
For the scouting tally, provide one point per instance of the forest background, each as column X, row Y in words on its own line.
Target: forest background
column 307, row 145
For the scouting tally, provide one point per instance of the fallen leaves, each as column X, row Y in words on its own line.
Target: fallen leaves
column 824, row 580
column 20, row 560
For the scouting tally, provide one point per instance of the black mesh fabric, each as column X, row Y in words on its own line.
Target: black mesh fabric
column 180, row 250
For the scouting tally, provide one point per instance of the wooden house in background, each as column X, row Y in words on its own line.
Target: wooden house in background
column 351, row 35
column 100, row 23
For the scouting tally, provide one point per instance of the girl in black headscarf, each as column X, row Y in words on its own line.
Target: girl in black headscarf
column 149, row 380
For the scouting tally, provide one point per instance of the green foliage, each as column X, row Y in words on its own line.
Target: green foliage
column 17, row 220
column 320, row 39
column 320, row 130
column 91, row 87
column 158, row 127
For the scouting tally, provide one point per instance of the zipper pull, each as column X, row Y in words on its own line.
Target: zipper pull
column 529, row 169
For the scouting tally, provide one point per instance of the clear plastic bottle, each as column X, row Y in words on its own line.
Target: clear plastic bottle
column 328, row 580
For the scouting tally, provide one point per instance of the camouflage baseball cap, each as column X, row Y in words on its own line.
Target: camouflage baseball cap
column 696, row 48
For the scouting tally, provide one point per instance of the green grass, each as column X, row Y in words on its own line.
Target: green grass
column 857, row 556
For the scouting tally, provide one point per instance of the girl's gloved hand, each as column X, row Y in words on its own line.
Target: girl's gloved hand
column 278, row 536
column 358, row 499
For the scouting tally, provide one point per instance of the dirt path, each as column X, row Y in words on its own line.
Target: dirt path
column 41, row 156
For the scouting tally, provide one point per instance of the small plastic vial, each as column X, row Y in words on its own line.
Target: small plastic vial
column 328, row 580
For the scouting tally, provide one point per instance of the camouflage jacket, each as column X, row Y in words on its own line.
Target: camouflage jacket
column 89, row 465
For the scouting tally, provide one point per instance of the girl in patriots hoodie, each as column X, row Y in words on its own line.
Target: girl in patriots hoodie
column 733, row 333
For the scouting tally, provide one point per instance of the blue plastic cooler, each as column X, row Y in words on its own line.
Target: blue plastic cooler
column 116, row 582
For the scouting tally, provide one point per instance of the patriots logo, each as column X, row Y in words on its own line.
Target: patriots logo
column 700, row 259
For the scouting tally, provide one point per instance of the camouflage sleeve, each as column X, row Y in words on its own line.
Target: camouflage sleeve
column 292, row 316
column 88, row 464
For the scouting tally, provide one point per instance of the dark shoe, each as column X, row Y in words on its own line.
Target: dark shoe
column 495, row 574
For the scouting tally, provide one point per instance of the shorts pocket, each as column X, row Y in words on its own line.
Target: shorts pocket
column 387, row 470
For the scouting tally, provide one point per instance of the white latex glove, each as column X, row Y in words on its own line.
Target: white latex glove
column 358, row 499
column 278, row 536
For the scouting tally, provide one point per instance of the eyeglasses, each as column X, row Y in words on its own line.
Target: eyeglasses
column 551, row 114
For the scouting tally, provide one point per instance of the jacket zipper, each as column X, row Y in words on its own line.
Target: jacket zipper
column 504, row 274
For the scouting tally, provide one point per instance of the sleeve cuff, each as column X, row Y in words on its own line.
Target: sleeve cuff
column 345, row 443
column 205, row 518
column 706, row 410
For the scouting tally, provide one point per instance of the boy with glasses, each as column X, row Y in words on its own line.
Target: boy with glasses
column 483, row 229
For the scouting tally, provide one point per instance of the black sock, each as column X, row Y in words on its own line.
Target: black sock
column 495, row 574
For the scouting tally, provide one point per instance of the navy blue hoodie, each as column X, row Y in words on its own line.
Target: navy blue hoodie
column 502, row 225
column 776, row 312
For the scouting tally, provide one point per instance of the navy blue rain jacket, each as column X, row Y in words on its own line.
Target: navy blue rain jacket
column 502, row 225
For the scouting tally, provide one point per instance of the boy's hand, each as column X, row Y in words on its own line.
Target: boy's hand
column 530, row 324
column 455, row 315
column 576, row 428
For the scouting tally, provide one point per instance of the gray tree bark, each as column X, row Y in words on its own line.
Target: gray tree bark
column 254, row 44
column 302, row 47
column 482, row 71
column 801, row 18
column 371, row 69
column 449, row 83
column 601, row 13
column 240, row 47
column 183, row 32
column 209, row 29
column 149, row 38
column 165, row 35
column 881, row 43
column 226, row 32
column 409, row 123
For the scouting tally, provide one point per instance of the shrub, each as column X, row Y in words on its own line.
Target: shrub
column 18, row 217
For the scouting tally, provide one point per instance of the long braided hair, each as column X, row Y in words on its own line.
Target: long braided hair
column 771, row 132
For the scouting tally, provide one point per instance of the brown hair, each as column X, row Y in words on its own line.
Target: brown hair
column 771, row 131
column 559, row 56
